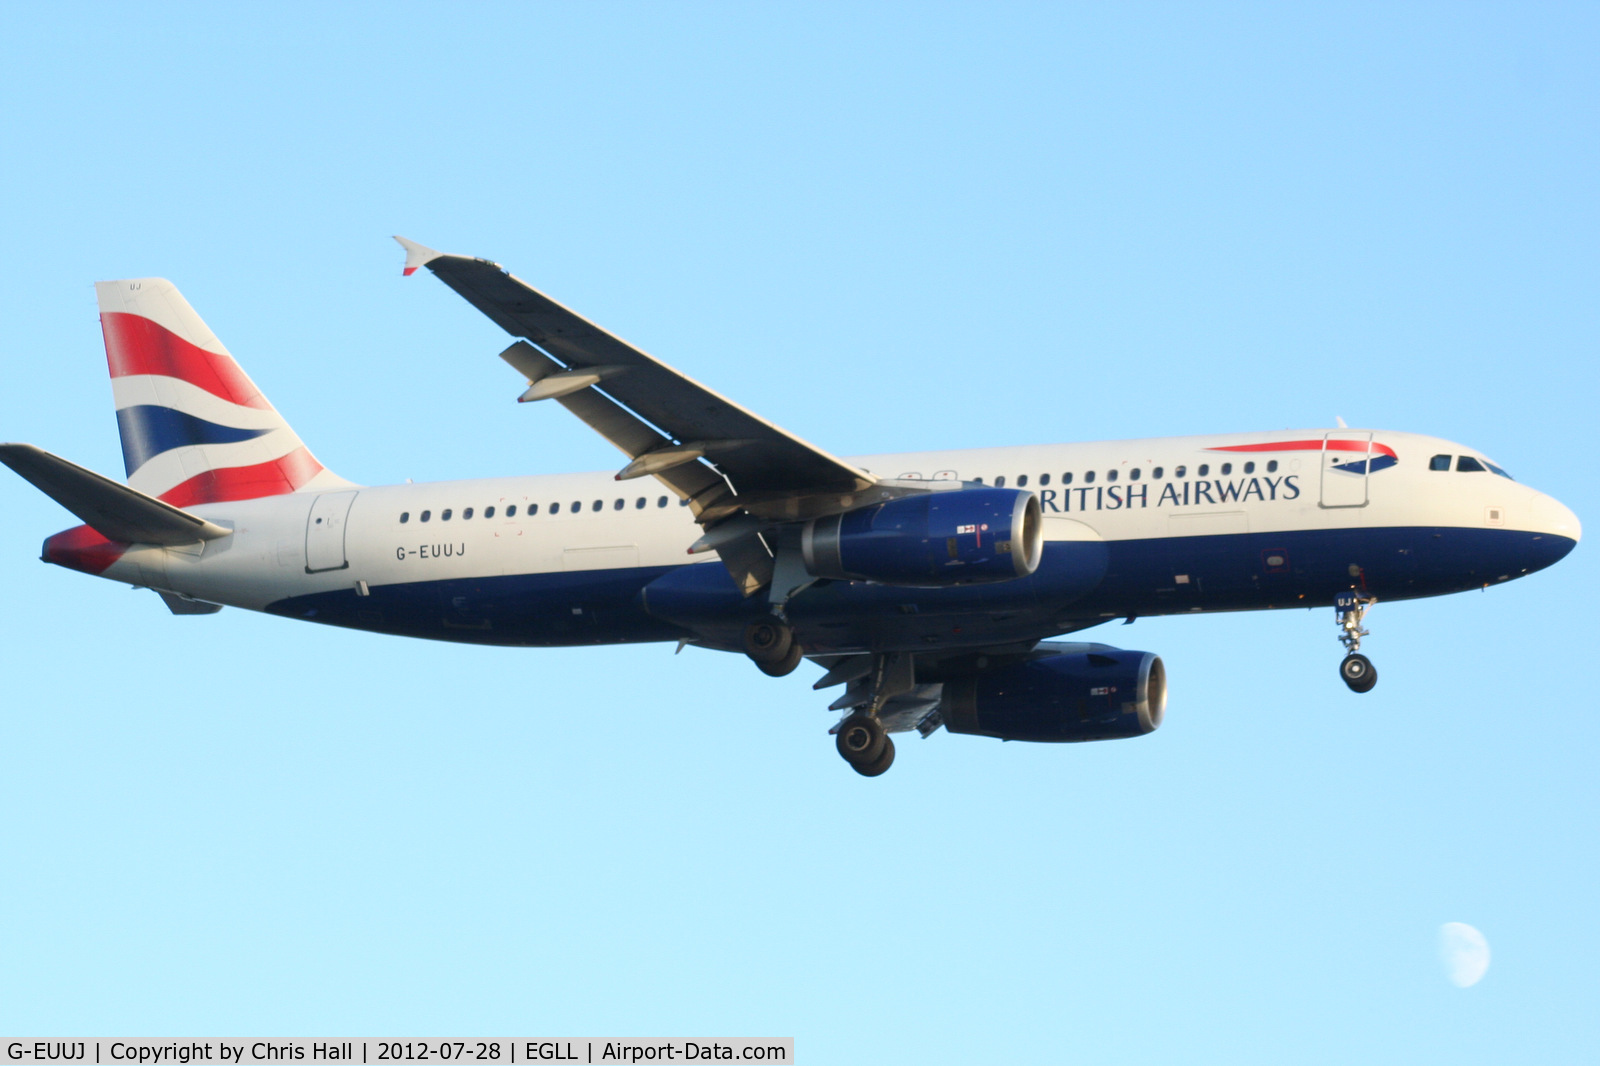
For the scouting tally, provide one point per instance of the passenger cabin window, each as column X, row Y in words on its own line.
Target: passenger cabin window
column 1044, row 479
column 405, row 516
column 1249, row 468
column 1439, row 462
column 1157, row 473
column 444, row 516
column 1133, row 475
column 639, row 506
column 1088, row 477
column 1272, row 466
column 577, row 506
column 467, row 514
column 533, row 509
column 1466, row 464
column 555, row 508
column 1000, row 482
column 1181, row 471
column 619, row 505
column 1227, row 468
column 426, row 515
column 488, row 512
column 511, row 511
column 662, row 502
column 1066, row 479
column 977, row 481
column 1205, row 468
column 1111, row 475
column 1022, row 481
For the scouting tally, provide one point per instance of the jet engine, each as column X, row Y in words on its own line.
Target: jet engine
column 958, row 537
column 1105, row 694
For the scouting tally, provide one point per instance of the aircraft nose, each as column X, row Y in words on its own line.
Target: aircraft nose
column 1551, row 516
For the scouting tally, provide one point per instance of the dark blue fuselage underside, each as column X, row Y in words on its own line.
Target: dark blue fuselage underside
column 1078, row 584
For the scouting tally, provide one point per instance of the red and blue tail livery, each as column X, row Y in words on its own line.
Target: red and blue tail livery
column 931, row 601
column 194, row 427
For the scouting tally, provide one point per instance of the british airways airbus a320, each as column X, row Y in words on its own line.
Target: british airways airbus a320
column 929, row 585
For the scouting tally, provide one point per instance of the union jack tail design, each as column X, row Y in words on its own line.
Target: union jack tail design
column 194, row 428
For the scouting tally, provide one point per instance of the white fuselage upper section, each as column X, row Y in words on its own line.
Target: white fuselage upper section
column 1118, row 490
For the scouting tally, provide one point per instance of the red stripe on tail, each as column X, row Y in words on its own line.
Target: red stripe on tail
column 136, row 345
column 277, row 478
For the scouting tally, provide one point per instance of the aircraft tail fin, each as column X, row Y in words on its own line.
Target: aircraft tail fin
column 194, row 427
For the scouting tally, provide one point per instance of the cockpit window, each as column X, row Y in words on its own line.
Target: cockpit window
column 1497, row 470
column 1439, row 462
column 1466, row 464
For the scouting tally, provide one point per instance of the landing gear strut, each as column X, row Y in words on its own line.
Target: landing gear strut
column 771, row 646
column 1357, row 670
column 862, row 738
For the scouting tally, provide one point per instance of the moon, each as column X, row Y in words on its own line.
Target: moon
column 1464, row 953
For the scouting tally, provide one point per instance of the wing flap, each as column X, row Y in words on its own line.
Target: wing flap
column 632, row 437
column 109, row 507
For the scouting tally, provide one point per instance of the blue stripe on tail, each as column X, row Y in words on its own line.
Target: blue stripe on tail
column 148, row 430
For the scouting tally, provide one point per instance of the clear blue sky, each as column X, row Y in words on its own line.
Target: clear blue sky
column 884, row 227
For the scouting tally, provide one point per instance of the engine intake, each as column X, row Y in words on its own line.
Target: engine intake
column 959, row 537
column 1107, row 694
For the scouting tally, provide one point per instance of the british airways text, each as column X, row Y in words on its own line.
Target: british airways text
column 1169, row 494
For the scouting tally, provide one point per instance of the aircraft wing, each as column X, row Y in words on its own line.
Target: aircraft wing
column 755, row 455
column 719, row 456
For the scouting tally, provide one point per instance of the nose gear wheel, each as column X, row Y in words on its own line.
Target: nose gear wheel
column 1349, row 610
column 1358, row 672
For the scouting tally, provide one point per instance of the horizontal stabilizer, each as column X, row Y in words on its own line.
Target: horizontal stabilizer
column 109, row 507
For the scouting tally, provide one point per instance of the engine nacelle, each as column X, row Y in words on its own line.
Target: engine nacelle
column 1099, row 695
column 957, row 537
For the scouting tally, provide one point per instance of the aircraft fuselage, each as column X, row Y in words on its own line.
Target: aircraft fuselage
column 1132, row 528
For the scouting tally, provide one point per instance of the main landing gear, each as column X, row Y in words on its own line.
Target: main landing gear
column 875, row 683
column 865, row 745
column 771, row 646
column 1356, row 669
column 861, row 738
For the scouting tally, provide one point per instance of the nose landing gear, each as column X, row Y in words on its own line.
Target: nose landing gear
column 1356, row 670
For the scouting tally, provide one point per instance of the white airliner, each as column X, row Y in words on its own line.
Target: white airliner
column 929, row 585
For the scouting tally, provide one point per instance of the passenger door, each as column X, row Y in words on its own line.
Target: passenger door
column 1345, row 461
